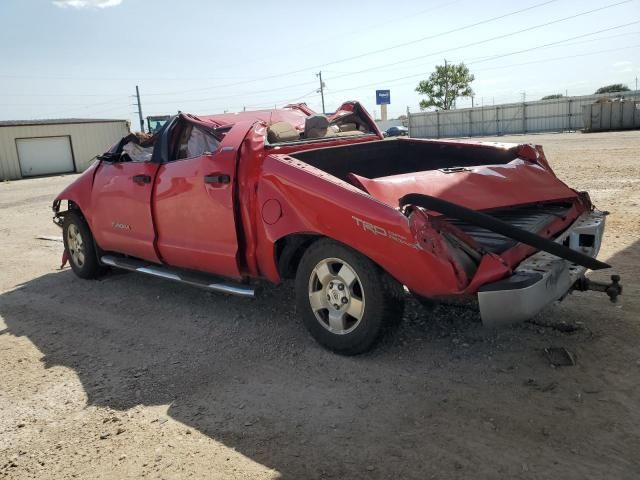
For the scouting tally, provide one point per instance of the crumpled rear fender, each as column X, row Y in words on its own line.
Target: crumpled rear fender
column 294, row 197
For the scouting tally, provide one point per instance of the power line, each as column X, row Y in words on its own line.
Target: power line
column 80, row 107
column 62, row 94
column 487, row 40
column 553, row 43
column 617, row 49
column 365, row 54
column 496, row 56
column 415, row 58
column 123, row 79
column 243, row 63
column 468, row 61
column 393, row 81
column 499, row 37
column 290, row 86
column 388, row 48
column 349, row 34
column 598, row 39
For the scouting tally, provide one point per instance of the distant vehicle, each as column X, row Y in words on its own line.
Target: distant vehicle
column 398, row 131
column 223, row 201
column 155, row 123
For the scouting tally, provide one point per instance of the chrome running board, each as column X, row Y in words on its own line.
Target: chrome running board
column 190, row 278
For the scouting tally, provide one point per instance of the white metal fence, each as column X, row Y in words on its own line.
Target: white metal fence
column 563, row 114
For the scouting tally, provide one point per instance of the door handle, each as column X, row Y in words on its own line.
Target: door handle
column 217, row 178
column 142, row 178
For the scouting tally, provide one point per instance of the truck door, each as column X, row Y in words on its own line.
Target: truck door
column 193, row 203
column 121, row 208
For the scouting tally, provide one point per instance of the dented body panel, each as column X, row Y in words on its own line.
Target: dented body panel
column 229, row 211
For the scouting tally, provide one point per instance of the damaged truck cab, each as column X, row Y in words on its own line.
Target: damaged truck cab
column 223, row 201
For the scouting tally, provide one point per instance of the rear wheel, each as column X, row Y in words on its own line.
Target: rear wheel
column 79, row 245
column 344, row 299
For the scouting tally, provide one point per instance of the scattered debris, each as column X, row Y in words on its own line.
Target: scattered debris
column 49, row 238
column 563, row 327
column 560, row 357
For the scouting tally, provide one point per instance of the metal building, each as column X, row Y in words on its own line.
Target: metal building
column 557, row 115
column 46, row 147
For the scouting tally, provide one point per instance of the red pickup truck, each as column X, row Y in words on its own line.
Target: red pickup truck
column 223, row 201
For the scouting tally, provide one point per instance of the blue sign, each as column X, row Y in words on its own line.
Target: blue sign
column 383, row 97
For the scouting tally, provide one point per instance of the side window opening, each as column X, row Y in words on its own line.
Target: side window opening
column 135, row 147
column 137, row 152
column 195, row 142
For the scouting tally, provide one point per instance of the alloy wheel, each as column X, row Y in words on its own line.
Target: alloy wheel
column 75, row 245
column 336, row 296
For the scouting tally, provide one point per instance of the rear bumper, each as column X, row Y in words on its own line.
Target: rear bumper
column 542, row 278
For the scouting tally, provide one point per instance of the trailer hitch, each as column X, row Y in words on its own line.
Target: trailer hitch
column 612, row 289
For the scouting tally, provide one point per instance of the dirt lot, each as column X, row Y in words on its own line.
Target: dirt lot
column 130, row 377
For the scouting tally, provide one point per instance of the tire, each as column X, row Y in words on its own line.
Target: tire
column 80, row 247
column 345, row 300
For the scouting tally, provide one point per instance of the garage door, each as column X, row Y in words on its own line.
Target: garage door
column 45, row 155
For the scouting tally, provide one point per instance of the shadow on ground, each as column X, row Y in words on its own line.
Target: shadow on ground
column 441, row 397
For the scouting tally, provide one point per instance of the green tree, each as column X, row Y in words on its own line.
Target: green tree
column 555, row 96
column 616, row 87
column 445, row 85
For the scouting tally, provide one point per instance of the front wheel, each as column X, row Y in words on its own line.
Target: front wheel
column 344, row 299
column 78, row 242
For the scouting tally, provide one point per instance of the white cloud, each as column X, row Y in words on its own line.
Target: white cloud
column 622, row 63
column 87, row 3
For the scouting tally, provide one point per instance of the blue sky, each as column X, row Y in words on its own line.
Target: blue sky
column 83, row 58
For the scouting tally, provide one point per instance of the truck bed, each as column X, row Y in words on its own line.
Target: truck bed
column 395, row 157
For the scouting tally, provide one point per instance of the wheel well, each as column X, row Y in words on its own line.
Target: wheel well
column 289, row 251
column 58, row 216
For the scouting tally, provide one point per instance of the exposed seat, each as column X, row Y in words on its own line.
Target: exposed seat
column 317, row 126
column 282, row 132
column 348, row 127
column 349, row 134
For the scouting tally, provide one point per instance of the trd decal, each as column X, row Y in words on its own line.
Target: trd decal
column 383, row 232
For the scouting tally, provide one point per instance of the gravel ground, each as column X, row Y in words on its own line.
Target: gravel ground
column 130, row 377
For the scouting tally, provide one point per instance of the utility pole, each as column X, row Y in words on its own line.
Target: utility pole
column 321, row 90
column 140, row 109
